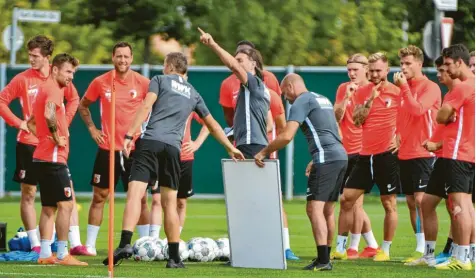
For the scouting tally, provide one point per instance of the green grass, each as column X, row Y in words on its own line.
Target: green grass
column 207, row 218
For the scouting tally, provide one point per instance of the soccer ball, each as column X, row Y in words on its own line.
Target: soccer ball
column 224, row 249
column 203, row 250
column 183, row 251
column 159, row 255
column 145, row 249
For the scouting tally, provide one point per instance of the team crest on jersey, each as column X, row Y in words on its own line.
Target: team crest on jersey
column 133, row 93
column 67, row 192
column 388, row 103
column 107, row 94
column 22, row 174
column 97, row 178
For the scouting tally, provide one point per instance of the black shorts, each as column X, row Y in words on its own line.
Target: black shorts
column 381, row 169
column 351, row 162
column 55, row 183
column 459, row 176
column 250, row 150
column 156, row 160
column 24, row 171
column 414, row 174
column 325, row 181
column 186, row 183
column 122, row 169
column 436, row 183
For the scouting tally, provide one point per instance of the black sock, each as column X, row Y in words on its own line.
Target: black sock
column 322, row 254
column 449, row 241
column 126, row 237
column 173, row 251
column 329, row 248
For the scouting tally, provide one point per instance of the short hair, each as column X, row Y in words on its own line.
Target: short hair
column 245, row 43
column 378, row 56
column 62, row 58
column 471, row 54
column 411, row 50
column 178, row 61
column 254, row 55
column 358, row 58
column 455, row 52
column 439, row 61
column 42, row 42
column 121, row 44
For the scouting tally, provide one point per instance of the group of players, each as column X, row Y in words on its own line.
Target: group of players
column 353, row 144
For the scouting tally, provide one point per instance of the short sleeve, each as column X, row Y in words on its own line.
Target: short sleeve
column 197, row 118
column 226, row 94
column 253, row 83
column 200, row 107
column 271, row 82
column 299, row 110
column 154, row 85
column 94, row 90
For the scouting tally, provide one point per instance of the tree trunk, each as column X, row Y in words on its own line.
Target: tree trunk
column 146, row 49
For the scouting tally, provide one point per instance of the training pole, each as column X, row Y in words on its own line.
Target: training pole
column 112, row 148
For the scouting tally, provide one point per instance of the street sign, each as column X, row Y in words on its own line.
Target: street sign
column 446, row 5
column 7, row 38
column 446, row 31
column 429, row 41
column 38, row 15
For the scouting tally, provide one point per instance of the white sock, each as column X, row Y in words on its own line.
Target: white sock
column 287, row 245
column 463, row 253
column 38, row 236
column 34, row 241
column 92, row 235
column 45, row 249
column 54, row 233
column 370, row 239
column 62, row 249
column 420, row 242
column 430, row 248
column 341, row 243
column 386, row 247
column 143, row 230
column 354, row 241
column 471, row 252
column 74, row 236
column 155, row 231
column 180, row 229
column 454, row 250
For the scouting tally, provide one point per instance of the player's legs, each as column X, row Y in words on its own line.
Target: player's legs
column 143, row 225
column 181, row 211
column 330, row 222
column 155, row 212
column 315, row 212
column 389, row 203
column 361, row 227
column 47, row 220
column 74, row 236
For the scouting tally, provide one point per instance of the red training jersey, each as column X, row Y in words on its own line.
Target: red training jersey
column 351, row 135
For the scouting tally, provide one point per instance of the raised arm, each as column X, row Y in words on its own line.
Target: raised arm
column 224, row 56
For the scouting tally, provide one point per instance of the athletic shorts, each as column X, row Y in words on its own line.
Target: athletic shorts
column 325, row 181
column 436, row 183
column 250, row 150
column 414, row 174
column 381, row 169
column 156, row 160
column 185, row 185
column 24, row 171
column 55, row 183
column 459, row 176
column 122, row 169
column 351, row 162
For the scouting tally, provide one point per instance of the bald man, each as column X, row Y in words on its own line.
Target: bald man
column 314, row 113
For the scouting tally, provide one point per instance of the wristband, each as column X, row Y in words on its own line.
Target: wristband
column 128, row 137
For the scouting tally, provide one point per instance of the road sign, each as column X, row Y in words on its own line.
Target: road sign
column 446, row 31
column 7, row 38
column 38, row 15
column 446, row 5
column 429, row 41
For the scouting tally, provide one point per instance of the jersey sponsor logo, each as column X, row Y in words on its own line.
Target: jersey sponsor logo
column 22, row 174
column 182, row 89
column 67, row 192
column 97, row 178
column 107, row 94
column 133, row 93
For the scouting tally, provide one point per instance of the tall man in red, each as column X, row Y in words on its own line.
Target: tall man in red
column 229, row 90
column 24, row 86
column 376, row 111
column 50, row 158
column 357, row 70
column 420, row 101
column 130, row 89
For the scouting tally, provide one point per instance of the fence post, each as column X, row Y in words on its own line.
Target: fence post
column 146, row 70
column 289, row 154
column 3, row 133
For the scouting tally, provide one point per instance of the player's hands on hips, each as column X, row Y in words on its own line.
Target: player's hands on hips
column 190, row 147
column 308, row 169
column 350, row 89
column 399, row 78
column 206, row 38
column 61, row 142
column 259, row 159
column 431, row 146
column 128, row 144
column 24, row 127
column 97, row 135
column 236, row 154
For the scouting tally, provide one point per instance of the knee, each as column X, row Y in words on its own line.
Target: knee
column 347, row 204
column 143, row 201
column 66, row 206
column 309, row 210
column 28, row 194
column 100, row 196
column 389, row 205
column 419, row 202
column 181, row 204
column 156, row 201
